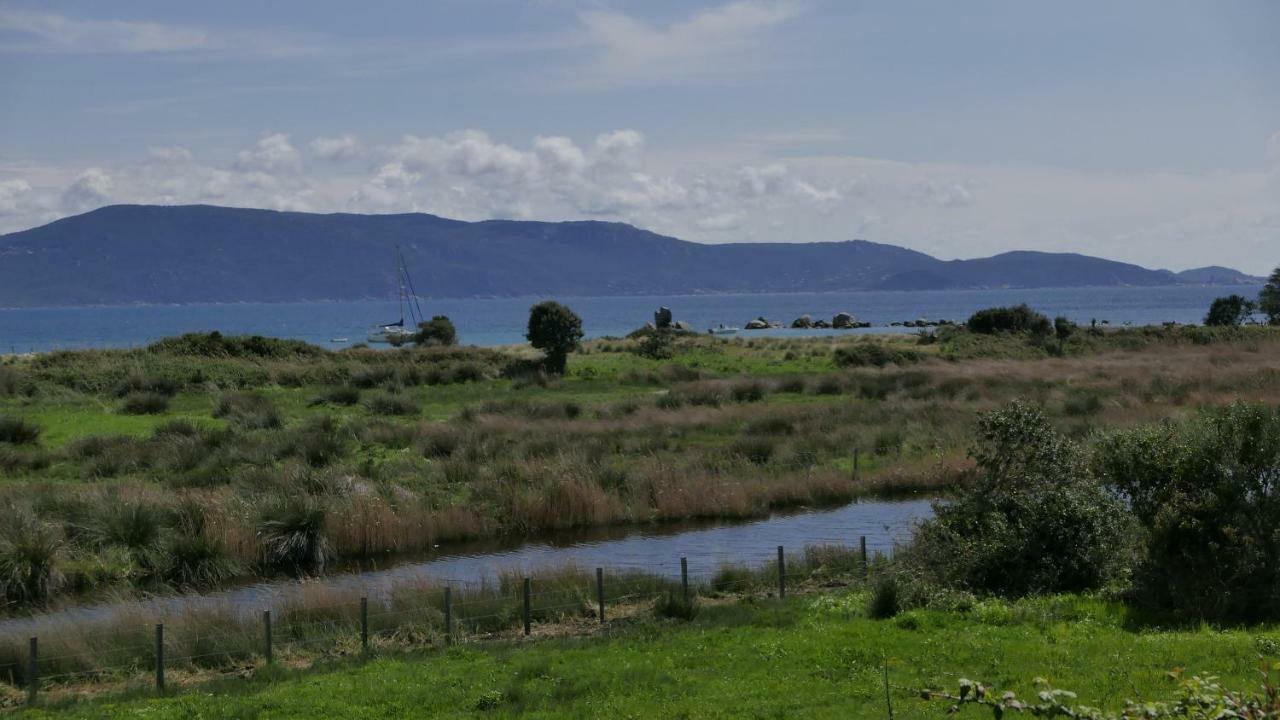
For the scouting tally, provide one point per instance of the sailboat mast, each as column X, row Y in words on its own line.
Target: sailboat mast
column 400, row 282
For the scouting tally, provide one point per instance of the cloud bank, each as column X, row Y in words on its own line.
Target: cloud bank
column 1155, row 219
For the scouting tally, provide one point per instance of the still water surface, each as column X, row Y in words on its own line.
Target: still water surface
column 501, row 321
column 655, row 549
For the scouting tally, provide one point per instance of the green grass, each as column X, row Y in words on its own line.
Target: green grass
column 815, row 656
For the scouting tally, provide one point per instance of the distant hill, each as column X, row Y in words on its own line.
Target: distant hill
column 126, row 254
column 1218, row 275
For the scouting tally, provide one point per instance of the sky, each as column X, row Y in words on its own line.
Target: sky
column 1146, row 131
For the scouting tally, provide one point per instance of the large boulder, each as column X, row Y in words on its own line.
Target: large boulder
column 804, row 321
column 821, row 323
column 662, row 318
column 844, row 321
column 758, row 324
column 682, row 326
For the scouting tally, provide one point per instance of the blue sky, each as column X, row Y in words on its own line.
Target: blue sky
column 1142, row 131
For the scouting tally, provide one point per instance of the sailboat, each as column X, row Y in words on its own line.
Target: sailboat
column 397, row 333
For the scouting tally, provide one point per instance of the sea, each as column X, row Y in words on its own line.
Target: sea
column 501, row 321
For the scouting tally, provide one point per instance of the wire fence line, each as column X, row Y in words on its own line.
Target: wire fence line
column 198, row 645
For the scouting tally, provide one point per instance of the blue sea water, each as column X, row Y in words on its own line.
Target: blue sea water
column 501, row 321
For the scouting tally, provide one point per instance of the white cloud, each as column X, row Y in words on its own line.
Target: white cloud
column 13, row 193
column 273, row 153
column 169, row 154
column 711, row 45
column 760, row 181
column 721, row 222
column 50, row 32
column 337, row 149
column 560, row 154
column 91, row 189
column 620, row 148
column 1273, row 147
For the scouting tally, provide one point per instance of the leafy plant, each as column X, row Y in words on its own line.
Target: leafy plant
column 556, row 331
column 1229, row 311
column 1206, row 493
column 1031, row 520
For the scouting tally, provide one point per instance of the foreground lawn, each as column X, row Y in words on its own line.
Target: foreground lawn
column 807, row 657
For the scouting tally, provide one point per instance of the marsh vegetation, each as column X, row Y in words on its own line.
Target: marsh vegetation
column 205, row 458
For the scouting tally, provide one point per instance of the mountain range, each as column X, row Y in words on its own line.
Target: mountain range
column 125, row 254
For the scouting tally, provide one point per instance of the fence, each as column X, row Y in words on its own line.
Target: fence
column 205, row 644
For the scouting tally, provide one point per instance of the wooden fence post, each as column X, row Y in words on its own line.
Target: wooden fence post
column 528, row 609
column 600, row 592
column 33, row 671
column 855, row 463
column 862, row 546
column 364, row 624
column 160, row 657
column 266, row 636
column 448, row 615
column 684, row 576
column 782, row 574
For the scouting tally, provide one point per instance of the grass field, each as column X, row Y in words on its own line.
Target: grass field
column 810, row 656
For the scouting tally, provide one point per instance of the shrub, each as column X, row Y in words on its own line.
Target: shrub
column 656, row 345
column 139, row 383
column 1268, row 301
column 29, row 551
column 1206, row 492
column 1031, row 520
column 247, row 410
column 1229, row 311
column 10, row 381
column 747, row 391
column 885, row 601
column 341, row 395
column 17, row 431
column 292, row 535
column 438, row 331
column 1016, row 319
column 674, row 605
column 389, row 404
column 755, row 448
column 875, row 354
column 556, row 331
column 216, row 345
column 144, row 403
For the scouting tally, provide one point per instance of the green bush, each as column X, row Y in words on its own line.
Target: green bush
column 144, row 403
column 1207, row 492
column 389, row 404
column 247, row 410
column 17, row 431
column 292, row 535
column 1229, row 311
column 1016, row 319
column 438, row 332
column 675, row 605
column 886, row 598
column 874, row 354
column 556, row 331
column 1031, row 520
column 29, row 552
column 216, row 345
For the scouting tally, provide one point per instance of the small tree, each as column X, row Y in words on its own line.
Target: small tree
column 437, row 331
column 1229, row 311
column 1269, row 298
column 556, row 331
column 1064, row 329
